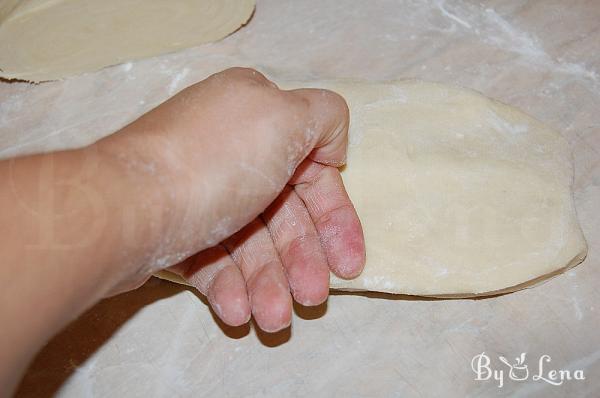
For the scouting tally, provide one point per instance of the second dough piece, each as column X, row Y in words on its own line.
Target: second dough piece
column 51, row 39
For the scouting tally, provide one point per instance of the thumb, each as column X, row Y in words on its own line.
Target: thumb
column 329, row 118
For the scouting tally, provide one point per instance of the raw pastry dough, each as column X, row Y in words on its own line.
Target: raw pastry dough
column 51, row 39
column 458, row 194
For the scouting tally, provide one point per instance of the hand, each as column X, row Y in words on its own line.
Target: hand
column 226, row 148
column 190, row 174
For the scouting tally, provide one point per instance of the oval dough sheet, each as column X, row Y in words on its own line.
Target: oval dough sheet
column 459, row 195
column 51, row 39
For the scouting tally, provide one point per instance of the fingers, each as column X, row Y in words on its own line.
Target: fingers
column 252, row 250
column 328, row 120
column 296, row 240
column 215, row 275
column 322, row 191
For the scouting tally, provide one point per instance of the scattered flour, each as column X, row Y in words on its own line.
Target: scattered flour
column 175, row 84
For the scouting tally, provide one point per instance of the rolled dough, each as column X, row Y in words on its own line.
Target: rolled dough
column 459, row 195
column 51, row 39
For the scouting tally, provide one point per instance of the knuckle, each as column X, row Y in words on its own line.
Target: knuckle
column 335, row 100
column 244, row 75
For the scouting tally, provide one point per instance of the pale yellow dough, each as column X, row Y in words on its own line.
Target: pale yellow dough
column 459, row 195
column 52, row 39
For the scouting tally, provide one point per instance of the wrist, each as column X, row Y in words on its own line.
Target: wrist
column 149, row 199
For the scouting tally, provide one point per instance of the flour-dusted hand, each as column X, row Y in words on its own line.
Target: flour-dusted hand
column 226, row 148
column 232, row 183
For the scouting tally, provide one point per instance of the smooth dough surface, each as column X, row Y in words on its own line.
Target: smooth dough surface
column 459, row 195
column 51, row 39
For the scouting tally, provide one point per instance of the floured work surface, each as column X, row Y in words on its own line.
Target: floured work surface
column 51, row 39
column 459, row 195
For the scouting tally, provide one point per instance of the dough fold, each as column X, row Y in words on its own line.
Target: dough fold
column 459, row 195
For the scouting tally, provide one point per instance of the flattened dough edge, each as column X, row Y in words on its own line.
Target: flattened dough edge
column 459, row 195
column 44, row 40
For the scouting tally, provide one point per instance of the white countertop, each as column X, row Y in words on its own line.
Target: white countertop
column 541, row 56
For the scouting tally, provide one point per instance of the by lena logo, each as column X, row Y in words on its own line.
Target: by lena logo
column 519, row 370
